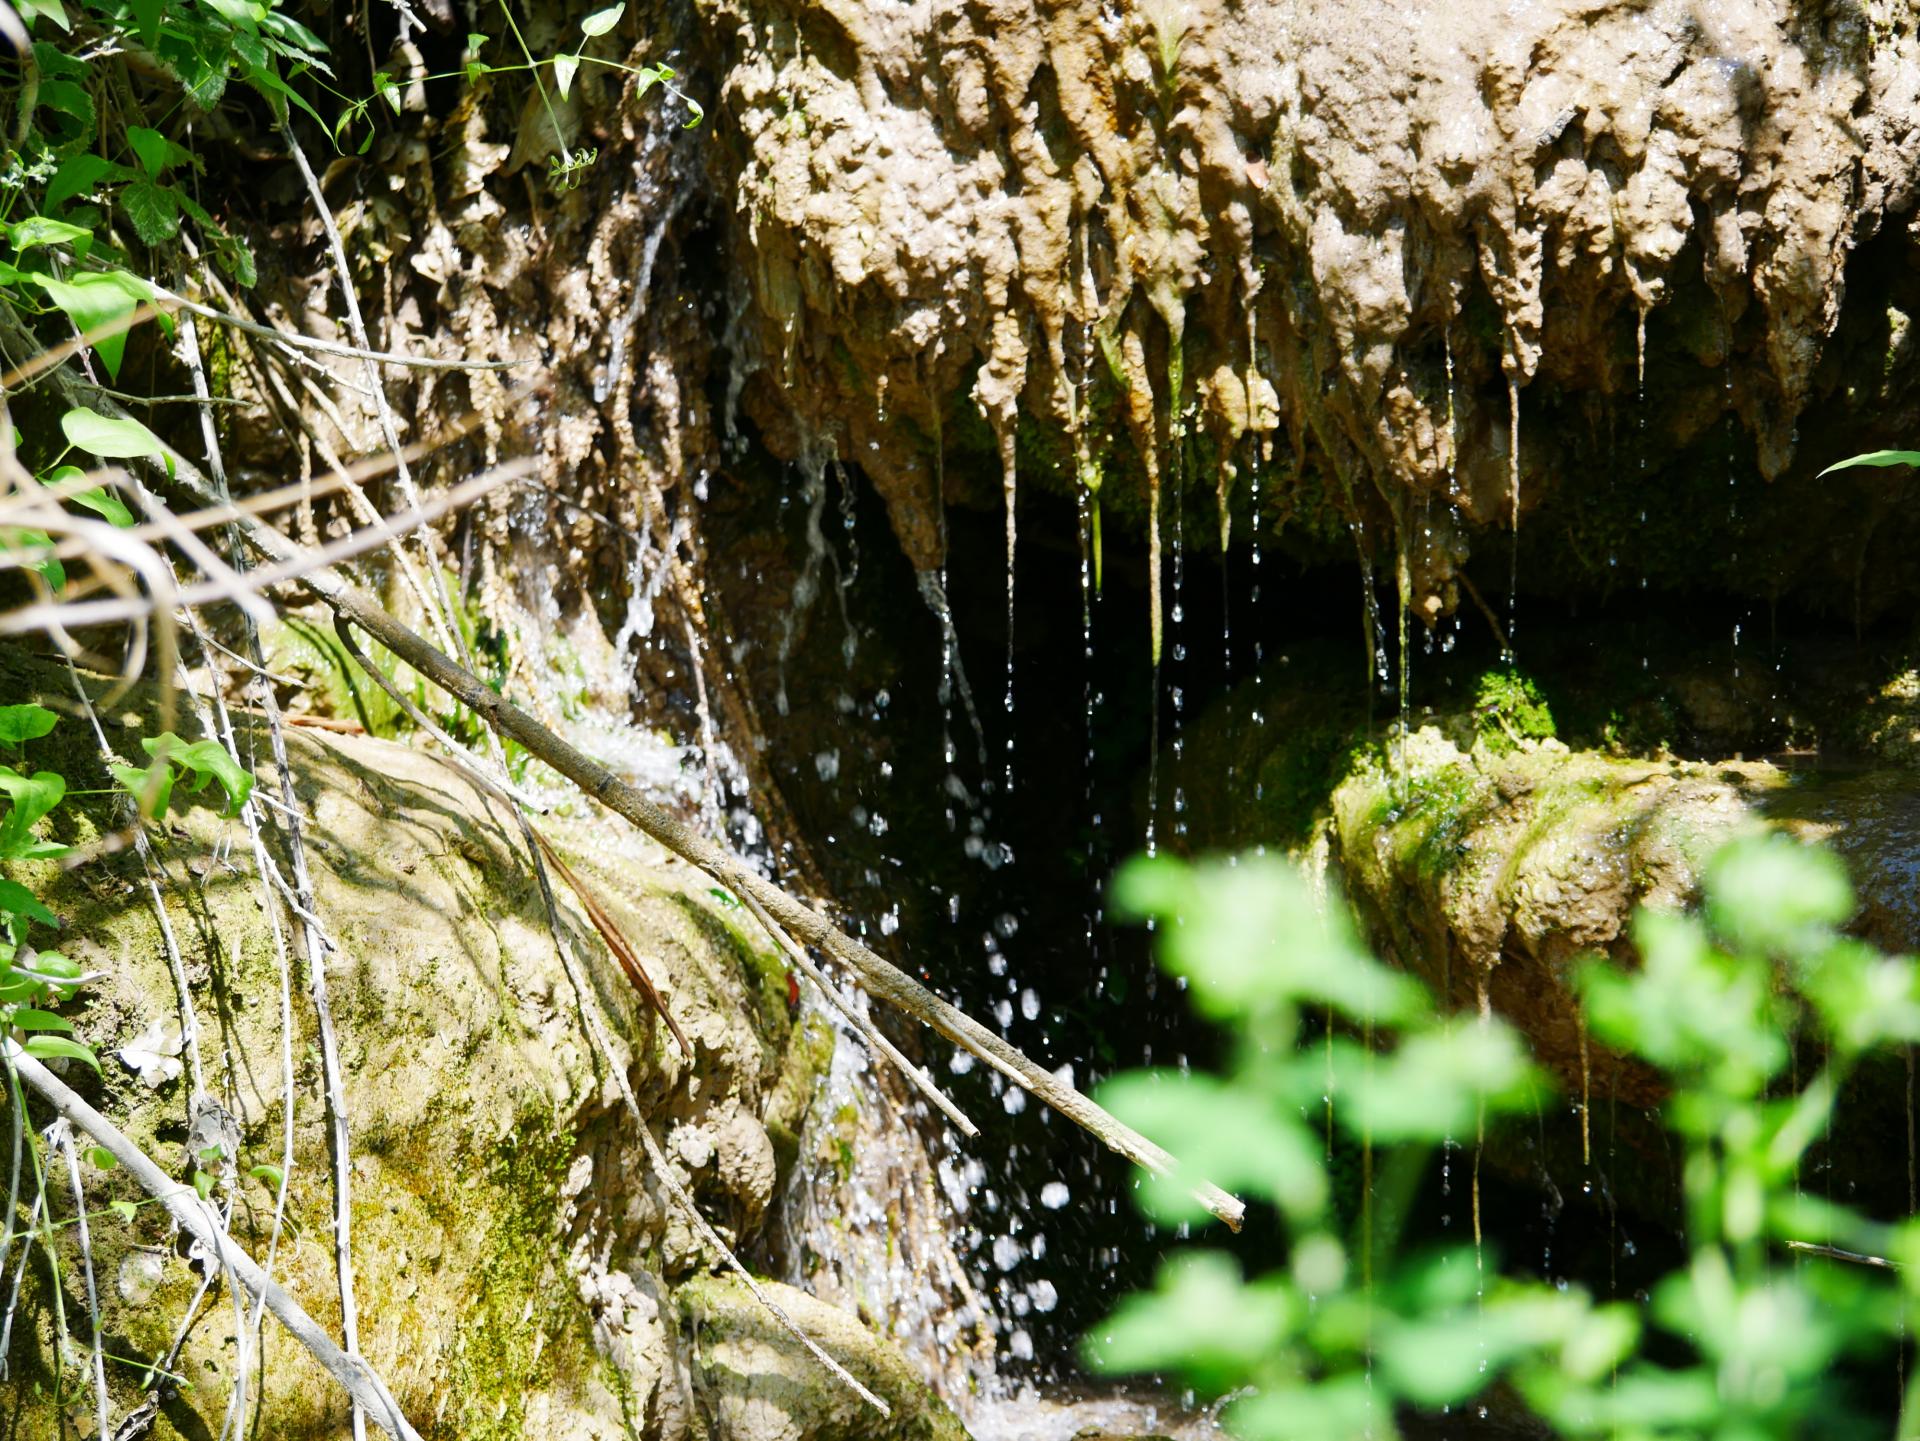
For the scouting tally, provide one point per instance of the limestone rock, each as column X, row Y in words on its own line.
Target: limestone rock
column 753, row 1382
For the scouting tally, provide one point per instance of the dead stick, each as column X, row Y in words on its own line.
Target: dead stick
column 199, row 1221
column 880, row 978
column 863, row 1024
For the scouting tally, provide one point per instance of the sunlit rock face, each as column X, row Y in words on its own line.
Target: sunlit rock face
column 1383, row 231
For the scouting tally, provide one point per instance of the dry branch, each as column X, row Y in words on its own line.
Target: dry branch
column 295, row 341
column 198, row 1220
column 862, row 1023
column 879, row 977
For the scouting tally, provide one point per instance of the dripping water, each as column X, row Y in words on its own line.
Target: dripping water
column 1010, row 484
column 1640, row 423
column 953, row 674
column 1258, row 720
column 1513, row 491
column 806, row 585
column 1403, row 587
column 1153, row 723
column 1379, row 677
column 1176, row 677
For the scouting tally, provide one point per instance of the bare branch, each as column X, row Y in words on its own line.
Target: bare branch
column 294, row 341
column 198, row 1219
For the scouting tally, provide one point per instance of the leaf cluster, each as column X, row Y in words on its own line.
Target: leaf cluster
column 1747, row 1332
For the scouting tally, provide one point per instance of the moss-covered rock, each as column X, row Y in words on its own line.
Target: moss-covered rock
column 753, row 1382
column 515, row 1258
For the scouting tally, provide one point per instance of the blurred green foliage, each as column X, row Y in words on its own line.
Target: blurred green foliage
column 1352, row 1333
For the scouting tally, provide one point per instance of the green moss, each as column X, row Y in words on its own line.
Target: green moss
column 809, row 1054
column 765, row 970
column 527, row 1331
column 1508, row 709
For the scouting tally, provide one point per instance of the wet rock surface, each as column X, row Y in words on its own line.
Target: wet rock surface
column 518, row 1265
column 1382, row 232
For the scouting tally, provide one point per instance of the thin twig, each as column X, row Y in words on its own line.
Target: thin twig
column 195, row 1217
column 860, row 1021
column 294, row 341
column 1834, row 1253
column 44, row 614
column 616, row 941
column 64, row 1139
column 251, row 813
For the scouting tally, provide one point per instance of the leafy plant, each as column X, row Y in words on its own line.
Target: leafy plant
column 1508, row 709
column 1350, row 1334
column 565, row 168
column 32, row 980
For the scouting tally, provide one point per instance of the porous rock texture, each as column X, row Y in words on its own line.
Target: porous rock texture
column 1378, row 228
column 1142, row 242
column 518, row 1265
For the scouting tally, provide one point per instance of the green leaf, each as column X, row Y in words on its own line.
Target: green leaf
column 1774, row 895
column 383, row 86
column 1876, row 458
column 564, row 67
column 203, row 1184
column 1336, row 1409
column 112, row 437
column 203, row 64
column 77, row 175
column 601, row 21
column 207, row 760
column 71, row 99
column 236, row 259
column 277, row 93
column 242, row 14
column 29, row 1019
column 1220, row 1132
column 23, row 235
column 101, row 1157
column 98, row 499
column 25, row 723
column 272, row 1175
column 1252, row 939
column 17, row 900
column 55, row 61
column 52, row 9
column 151, row 788
column 33, row 796
column 156, row 153
column 97, row 300
column 1433, row 1085
column 146, row 14
column 283, row 26
column 59, row 1047
column 476, row 42
column 30, row 543
column 152, row 210
column 125, row 1210
column 1201, row 1317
